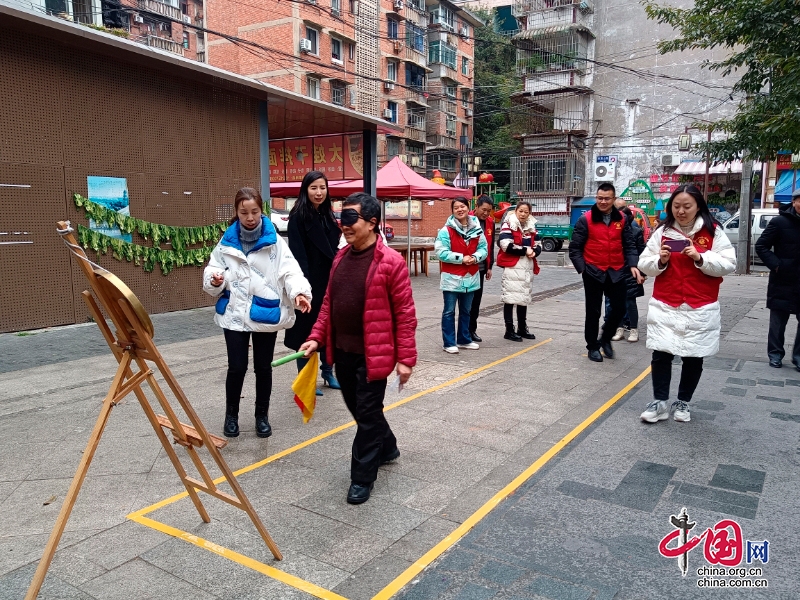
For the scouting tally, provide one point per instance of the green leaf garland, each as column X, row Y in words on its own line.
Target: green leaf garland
column 147, row 257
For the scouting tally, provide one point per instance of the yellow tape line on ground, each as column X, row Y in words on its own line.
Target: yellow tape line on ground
column 335, row 430
column 401, row 580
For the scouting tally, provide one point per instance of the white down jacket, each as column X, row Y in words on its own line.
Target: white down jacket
column 683, row 330
column 260, row 288
column 517, row 281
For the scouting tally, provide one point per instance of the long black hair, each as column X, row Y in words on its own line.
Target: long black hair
column 303, row 208
column 702, row 207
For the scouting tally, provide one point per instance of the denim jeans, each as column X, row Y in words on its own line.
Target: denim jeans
column 449, row 331
column 631, row 318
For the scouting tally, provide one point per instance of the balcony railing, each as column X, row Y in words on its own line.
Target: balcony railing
column 161, row 8
column 443, row 70
column 442, row 141
column 164, row 44
column 416, row 56
column 444, row 105
column 418, row 94
column 412, row 133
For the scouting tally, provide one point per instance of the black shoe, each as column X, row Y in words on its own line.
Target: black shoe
column 475, row 337
column 394, row 455
column 522, row 331
column 511, row 334
column 231, row 428
column 595, row 356
column 796, row 365
column 263, row 428
column 608, row 350
column 359, row 492
column 775, row 364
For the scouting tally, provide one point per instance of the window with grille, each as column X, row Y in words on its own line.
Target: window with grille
column 336, row 7
column 338, row 93
column 312, row 84
column 392, row 106
column 450, row 91
column 351, row 51
column 392, row 26
column 391, row 70
column 186, row 39
column 392, row 147
column 465, row 98
column 415, row 37
column 464, row 65
column 439, row 52
column 451, row 125
column 441, row 15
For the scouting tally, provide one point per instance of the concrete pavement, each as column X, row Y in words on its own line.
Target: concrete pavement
column 472, row 424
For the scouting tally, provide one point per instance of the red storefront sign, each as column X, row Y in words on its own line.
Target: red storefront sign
column 784, row 161
column 354, row 157
column 329, row 156
column 277, row 171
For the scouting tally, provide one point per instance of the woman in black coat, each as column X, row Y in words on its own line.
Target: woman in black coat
column 314, row 240
column 779, row 249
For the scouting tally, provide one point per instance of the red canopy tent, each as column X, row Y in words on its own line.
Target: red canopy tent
column 395, row 180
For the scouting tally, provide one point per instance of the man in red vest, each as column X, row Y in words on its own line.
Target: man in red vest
column 483, row 210
column 602, row 249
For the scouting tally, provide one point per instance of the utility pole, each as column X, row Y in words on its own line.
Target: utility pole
column 745, row 204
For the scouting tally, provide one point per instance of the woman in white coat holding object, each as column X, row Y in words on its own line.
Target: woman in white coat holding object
column 258, row 284
column 688, row 256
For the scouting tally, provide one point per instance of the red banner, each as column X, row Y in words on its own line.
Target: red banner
column 354, row 157
column 329, row 156
column 784, row 161
column 276, row 163
column 299, row 158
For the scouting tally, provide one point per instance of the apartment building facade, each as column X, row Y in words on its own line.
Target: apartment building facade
column 171, row 25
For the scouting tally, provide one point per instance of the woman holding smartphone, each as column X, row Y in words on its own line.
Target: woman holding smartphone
column 688, row 256
column 258, row 284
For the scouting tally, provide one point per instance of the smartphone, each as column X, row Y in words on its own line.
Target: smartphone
column 676, row 245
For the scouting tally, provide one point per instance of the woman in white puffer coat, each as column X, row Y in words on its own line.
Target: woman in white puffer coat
column 259, row 284
column 688, row 256
column 517, row 256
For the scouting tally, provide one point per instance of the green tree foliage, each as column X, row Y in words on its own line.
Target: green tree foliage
column 761, row 45
column 495, row 81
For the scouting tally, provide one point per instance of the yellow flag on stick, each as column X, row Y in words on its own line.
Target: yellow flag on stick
column 305, row 387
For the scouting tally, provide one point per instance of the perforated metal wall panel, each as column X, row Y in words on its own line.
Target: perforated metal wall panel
column 184, row 147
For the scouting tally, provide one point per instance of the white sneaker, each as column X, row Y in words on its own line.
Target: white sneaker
column 634, row 335
column 655, row 411
column 618, row 335
column 680, row 410
column 470, row 346
column 451, row 349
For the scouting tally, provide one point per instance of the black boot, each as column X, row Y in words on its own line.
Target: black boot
column 231, row 428
column 263, row 428
column 522, row 331
column 511, row 334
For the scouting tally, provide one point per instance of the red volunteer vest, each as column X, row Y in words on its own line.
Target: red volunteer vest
column 510, row 260
column 458, row 244
column 682, row 282
column 603, row 249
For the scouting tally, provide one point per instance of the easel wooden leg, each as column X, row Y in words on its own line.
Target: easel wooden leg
column 72, row 495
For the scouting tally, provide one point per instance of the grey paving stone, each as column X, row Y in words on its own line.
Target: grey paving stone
column 641, row 488
column 774, row 399
column 558, row 590
column 731, row 391
column 501, row 573
column 372, row 577
column 457, row 560
column 785, row 416
column 730, row 503
column 716, row 363
column 430, row 586
column 737, row 381
column 772, row 382
column 473, row 591
column 708, row 405
column 139, row 579
column 738, row 479
column 14, row 586
column 794, row 382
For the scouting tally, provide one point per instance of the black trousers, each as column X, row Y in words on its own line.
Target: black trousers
column 691, row 370
column 476, row 306
column 508, row 314
column 594, row 290
column 775, row 339
column 364, row 399
column 238, row 344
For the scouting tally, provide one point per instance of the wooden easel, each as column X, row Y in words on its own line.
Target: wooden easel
column 133, row 347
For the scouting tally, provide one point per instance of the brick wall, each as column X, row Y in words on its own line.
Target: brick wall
column 433, row 219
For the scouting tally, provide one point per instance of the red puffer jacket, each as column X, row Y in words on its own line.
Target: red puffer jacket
column 390, row 319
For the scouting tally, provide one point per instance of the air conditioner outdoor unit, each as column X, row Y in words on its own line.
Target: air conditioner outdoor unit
column 305, row 45
column 187, row 19
column 469, row 112
column 670, row 160
column 398, row 4
column 605, row 168
column 464, row 32
column 388, row 86
column 387, row 113
column 138, row 19
column 398, row 46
